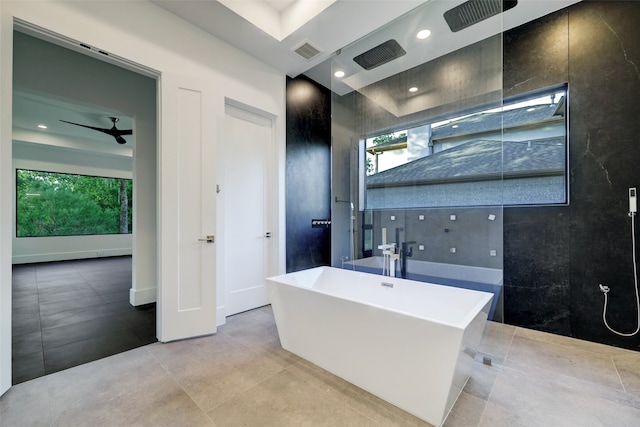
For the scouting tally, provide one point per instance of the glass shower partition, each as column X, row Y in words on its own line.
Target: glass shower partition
column 417, row 152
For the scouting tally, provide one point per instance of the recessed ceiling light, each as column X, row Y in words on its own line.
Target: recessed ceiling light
column 42, row 126
column 455, row 126
column 339, row 74
column 413, row 89
column 423, row 34
column 530, row 109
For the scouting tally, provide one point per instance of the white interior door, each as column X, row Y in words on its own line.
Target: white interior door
column 187, row 295
column 246, row 191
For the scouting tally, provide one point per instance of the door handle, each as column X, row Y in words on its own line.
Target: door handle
column 208, row 239
column 267, row 234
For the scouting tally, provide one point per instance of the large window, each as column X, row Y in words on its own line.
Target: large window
column 59, row 204
column 513, row 155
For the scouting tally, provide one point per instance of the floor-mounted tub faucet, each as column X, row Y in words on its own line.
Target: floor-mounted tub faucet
column 405, row 252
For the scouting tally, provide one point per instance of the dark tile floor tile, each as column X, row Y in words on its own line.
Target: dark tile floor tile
column 60, row 320
column 76, row 286
column 24, row 300
column 51, row 276
column 51, row 297
column 122, row 305
column 61, row 285
column 138, row 317
column 79, row 352
column 146, row 333
column 109, row 285
column 25, row 320
column 27, row 367
column 73, row 316
column 26, row 343
column 62, row 335
column 24, row 287
column 117, row 296
column 20, row 277
column 25, row 327
column 72, row 303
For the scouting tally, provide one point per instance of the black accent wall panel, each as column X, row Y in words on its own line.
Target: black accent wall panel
column 308, row 174
column 555, row 257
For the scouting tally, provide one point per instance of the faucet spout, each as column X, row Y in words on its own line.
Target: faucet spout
column 406, row 251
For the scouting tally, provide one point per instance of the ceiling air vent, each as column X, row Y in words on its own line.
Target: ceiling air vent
column 474, row 11
column 381, row 54
column 307, row 50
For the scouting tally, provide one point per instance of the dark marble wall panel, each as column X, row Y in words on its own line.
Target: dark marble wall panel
column 604, row 76
column 536, row 55
column 537, row 268
column 308, row 174
column 555, row 257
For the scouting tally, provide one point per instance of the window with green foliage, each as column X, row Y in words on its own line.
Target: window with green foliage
column 59, row 204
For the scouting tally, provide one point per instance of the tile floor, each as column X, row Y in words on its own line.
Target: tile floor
column 242, row 377
column 73, row 312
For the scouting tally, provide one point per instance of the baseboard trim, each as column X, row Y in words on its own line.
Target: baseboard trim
column 142, row 296
column 66, row 256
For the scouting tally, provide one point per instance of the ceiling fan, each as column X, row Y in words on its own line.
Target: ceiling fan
column 113, row 131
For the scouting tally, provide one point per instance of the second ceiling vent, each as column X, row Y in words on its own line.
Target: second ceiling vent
column 381, row 54
column 474, row 11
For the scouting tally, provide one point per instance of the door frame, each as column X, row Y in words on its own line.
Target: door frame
column 6, row 251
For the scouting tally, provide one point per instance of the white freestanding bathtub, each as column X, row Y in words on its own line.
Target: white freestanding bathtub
column 406, row 342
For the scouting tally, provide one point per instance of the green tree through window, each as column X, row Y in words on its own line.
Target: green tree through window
column 58, row 204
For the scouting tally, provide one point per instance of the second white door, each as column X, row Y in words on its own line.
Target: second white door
column 246, row 192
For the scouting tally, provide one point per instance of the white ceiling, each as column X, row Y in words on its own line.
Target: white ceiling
column 31, row 110
column 343, row 25
column 332, row 28
column 329, row 25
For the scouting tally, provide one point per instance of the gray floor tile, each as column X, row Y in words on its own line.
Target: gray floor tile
column 573, row 361
column 628, row 367
column 26, row 404
column 522, row 399
column 237, row 377
column 285, row 400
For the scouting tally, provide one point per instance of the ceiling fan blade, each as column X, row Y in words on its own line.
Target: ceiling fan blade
column 122, row 131
column 104, row 130
column 114, row 132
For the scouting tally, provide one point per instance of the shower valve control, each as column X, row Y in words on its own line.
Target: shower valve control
column 633, row 204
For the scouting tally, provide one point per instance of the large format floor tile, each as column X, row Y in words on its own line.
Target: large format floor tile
column 72, row 312
column 242, row 377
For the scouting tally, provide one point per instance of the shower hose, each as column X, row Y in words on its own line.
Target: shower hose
column 605, row 289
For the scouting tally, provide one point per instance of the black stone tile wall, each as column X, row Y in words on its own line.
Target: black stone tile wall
column 555, row 257
column 308, row 174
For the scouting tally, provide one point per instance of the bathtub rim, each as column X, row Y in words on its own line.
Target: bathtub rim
column 482, row 305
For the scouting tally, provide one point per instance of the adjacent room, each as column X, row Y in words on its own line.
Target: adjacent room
column 73, row 162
